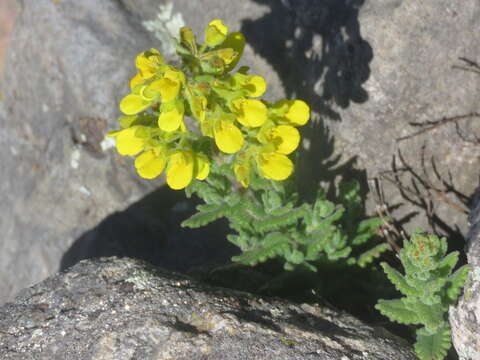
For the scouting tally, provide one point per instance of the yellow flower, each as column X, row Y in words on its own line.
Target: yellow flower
column 296, row 112
column 251, row 112
column 168, row 86
column 150, row 164
column 183, row 166
column 228, row 137
column 167, row 89
column 252, row 85
column 202, row 167
column 285, row 138
column 171, row 116
column 134, row 103
column 127, row 142
column 274, row 166
column 148, row 64
column 215, row 33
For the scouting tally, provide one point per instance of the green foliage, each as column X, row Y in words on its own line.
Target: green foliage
column 270, row 222
column 429, row 287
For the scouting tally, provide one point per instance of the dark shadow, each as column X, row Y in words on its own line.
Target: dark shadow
column 316, row 48
column 150, row 230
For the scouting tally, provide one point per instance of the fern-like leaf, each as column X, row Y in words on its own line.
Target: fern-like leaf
column 273, row 245
column 399, row 281
column 433, row 346
column 368, row 256
column 447, row 264
column 273, row 223
column 396, row 310
column 206, row 214
column 456, row 282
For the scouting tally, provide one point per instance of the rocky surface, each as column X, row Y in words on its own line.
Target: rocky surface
column 62, row 184
column 367, row 67
column 465, row 317
column 125, row 309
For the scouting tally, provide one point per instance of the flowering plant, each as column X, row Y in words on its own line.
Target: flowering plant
column 228, row 118
column 234, row 153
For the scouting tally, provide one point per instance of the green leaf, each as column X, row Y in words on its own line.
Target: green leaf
column 399, row 281
column 273, row 245
column 455, row 283
column 368, row 256
column 447, row 264
column 396, row 310
column 206, row 214
column 295, row 257
column 274, row 223
column 429, row 315
column 433, row 346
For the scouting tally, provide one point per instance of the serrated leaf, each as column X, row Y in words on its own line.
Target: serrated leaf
column 239, row 240
column 455, row 283
column 273, row 245
column 433, row 346
column 447, row 264
column 369, row 224
column 399, row 281
column 396, row 310
column 340, row 254
column 429, row 315
column 368, row 256
column 206, row 214
column 295, row 257
column 274, row 223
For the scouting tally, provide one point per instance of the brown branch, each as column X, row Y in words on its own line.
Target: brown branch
column 436, row 124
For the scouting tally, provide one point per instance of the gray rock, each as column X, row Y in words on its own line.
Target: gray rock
column 465, row 317
column 126, row 309
column 66, row 193
column 367, row 68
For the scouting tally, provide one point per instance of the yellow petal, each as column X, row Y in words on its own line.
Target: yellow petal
column 274, row 166
column 136, row 80
column 228, row 137
column 256, row 86
column 202, row 167
column 286, row 138
column 128, row 143
column 133, row 104
column 215, row 33
column 149, row 165
column 252, row 112
column 167, row 88
column 171, row 120
column 298, row 112
column 180, row 170
column 148, row 63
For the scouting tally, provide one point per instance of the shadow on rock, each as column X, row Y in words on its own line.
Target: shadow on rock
column 150, row 230
column 316, row 48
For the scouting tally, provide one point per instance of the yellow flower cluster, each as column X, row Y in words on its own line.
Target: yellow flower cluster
column 260, row 135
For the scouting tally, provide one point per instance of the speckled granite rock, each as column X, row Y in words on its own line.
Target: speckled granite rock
column 125, row 309
column 367, row 67
column 465, row 317
column 66, row 194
